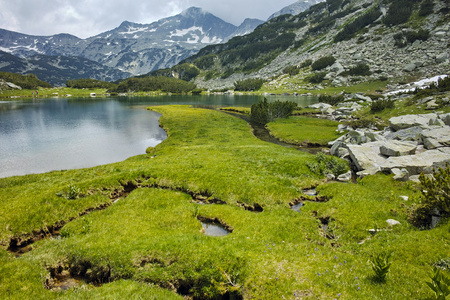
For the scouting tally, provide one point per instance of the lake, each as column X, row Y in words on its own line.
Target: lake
column 43, row 135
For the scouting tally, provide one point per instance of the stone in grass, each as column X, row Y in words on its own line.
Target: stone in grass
column 393, row 222
column 345, row 177
column 400, row 174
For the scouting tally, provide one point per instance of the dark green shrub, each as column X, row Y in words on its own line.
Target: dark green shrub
column 317, row 77
column 323, row 62
column 306, row 63
column 426, row 8
column 326, row 164
column 421, row 35
column 89, row 84
column 359, row 23
column 435, row 196
column 361, row 69
column 252, row 84
column 264, row 112
column 399, row 12
column 381, row 105
column 291, row 70
column 332, row 100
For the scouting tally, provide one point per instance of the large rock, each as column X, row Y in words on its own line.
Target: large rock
column 319, row 106
column 445, row 118
column 408, row 134
column 367, row 157
column 436, row 137
column 416, row 164
column 397, row 148
column 406, row 121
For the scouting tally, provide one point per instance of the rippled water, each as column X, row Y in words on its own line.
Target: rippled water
column 37, row 136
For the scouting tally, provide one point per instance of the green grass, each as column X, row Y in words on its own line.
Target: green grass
column 304, row 130
column 151, row 242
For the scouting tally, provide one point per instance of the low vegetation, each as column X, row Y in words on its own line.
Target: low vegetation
column 29, row 81
column 150, row 241
column 264, row 112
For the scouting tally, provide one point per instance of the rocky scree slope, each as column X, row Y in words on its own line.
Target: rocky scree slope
column 352, row 32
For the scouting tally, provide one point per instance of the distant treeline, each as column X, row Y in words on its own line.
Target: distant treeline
column 137, row 84
column 29, row 81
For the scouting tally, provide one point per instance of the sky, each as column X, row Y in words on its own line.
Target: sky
column 86, row 18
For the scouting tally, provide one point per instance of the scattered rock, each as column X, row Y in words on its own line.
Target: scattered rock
column 393, row 222
column 400, row 174
column 345, row 177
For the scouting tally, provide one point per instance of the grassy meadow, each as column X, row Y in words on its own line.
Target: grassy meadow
column 146, row 241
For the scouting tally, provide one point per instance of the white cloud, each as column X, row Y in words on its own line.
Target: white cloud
column 85, row 18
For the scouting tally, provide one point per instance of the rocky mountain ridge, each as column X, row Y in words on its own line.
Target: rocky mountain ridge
column 295, row 8
column 132, row 48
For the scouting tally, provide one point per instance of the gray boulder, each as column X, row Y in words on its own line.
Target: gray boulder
column 397, row 148
column 407, row 121
column 367, row 157
column 445, row 118
column 400, row 174
column 409, row 67
column 418, row 163
column 408, row 134
column 345, row 177
column 436, row 137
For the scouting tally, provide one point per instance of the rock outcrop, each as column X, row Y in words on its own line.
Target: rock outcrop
column 411, row 145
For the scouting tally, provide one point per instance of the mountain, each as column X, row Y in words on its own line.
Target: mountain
column 295, row 8
column 131, row 47
column 346, row 41
column 56, row 70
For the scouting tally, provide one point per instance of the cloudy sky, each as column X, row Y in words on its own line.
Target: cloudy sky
column 85, row 18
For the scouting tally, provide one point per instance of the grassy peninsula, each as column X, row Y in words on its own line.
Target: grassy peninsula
column 132, row 229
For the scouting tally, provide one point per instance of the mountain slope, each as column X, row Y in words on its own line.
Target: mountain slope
column 295, row 8
column 382, row 39
column 56, row 70
column 132, row 47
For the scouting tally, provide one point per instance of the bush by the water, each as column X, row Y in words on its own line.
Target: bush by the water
column 252, row 84
column 323, row 62
column 332, row 100
column 326, row 164
column 317, row 77
column 29, row 81
column 264, row 112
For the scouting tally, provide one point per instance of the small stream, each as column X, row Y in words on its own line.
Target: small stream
column 261, row 132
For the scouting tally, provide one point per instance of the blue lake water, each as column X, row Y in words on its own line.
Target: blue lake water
column 43, row 135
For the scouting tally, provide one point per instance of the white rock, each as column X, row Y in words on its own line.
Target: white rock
column 400, row 174
column 393, row 222
column 345, row 177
